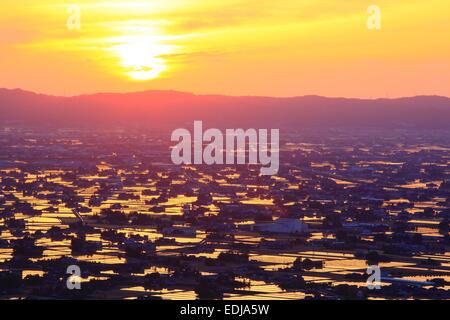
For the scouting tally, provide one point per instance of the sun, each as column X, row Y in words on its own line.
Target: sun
column 142, row 57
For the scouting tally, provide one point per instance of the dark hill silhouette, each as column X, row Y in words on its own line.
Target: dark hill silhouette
column 171, row 108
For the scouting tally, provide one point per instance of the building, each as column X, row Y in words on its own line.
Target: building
column 282, row 225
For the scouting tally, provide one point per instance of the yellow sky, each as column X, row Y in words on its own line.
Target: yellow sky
column 238, row 47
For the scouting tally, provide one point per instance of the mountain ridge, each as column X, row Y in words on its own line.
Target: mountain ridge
column 169, row 107
column 20, row 90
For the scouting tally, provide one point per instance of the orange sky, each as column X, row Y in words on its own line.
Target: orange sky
column 238, row 47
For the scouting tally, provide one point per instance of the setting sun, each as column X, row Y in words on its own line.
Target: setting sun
column 141, row 57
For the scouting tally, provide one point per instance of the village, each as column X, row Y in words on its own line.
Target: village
column 139, row 227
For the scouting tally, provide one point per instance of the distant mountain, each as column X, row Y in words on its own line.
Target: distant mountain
column 171, row 108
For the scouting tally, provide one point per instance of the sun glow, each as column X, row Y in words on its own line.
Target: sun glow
column 237, row 47
column 141, row 57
